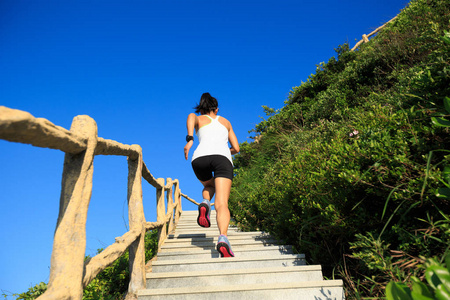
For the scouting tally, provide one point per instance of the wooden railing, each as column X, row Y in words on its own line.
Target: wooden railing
column 365, row 37
column 69, row 273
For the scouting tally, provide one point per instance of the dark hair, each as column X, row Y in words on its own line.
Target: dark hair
column 207, row 103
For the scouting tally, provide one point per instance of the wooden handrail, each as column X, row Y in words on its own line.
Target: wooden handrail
column 149, row 177
column 365, row 37
column 192, row 200
column 69, row 273
column 97, row 263
column 20, row 126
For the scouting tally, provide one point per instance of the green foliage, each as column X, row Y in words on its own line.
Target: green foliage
column 111, row 283
column 442, row 122
column 437, row 287
column 33, row 292
column 349, row 170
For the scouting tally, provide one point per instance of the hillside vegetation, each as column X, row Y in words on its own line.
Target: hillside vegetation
column 350, row 170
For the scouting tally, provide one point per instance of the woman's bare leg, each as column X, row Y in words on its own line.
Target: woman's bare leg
column 208, row 189
column 222, row 189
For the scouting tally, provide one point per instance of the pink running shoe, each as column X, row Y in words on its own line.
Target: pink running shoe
column 204, row 210
column 224, row 247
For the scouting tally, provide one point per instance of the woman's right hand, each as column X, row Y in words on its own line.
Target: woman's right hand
column 191, row 123
column 187, row 148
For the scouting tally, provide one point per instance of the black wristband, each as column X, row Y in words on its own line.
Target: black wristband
column 189, row 138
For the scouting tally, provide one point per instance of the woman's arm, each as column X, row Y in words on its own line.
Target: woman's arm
column 190, row 124
column 233, row 141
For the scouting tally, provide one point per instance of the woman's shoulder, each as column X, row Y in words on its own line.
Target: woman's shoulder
column 225, row 122
column 192, row 116
column 222, row 118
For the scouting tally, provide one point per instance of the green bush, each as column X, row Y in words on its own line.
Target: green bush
column 349, row 169
column 437, row 287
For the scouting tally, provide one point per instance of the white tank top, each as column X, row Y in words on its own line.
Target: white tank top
column 213, row 140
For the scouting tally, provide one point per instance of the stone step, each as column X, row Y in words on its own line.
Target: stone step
column 329, row 289
column 196, row 227
column 212, row 245
column 250, row 251
column 194, row 217
column 227, row 263
column 193, row 220
column 177, row 235
column 205, row 231
column 194, row 224
column 215, row 237
column 233, row 277
column 200, row 230
column 186, row 213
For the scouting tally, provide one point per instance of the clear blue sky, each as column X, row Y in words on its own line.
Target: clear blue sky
column 138, row 68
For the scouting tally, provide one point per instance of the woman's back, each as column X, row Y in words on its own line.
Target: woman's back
column 213, row 138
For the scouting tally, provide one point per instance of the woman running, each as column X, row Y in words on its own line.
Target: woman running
column 212, row 164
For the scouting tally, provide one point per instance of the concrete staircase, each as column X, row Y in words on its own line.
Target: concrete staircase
column 189, row 267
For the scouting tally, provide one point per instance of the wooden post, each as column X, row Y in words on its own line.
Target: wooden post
column 161, row 212
column 69, row 244
column 365, row 38
column 136, row 220
column 170, row 204
column 177, row 196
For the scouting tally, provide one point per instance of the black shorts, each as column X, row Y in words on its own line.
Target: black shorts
column 205, row 166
